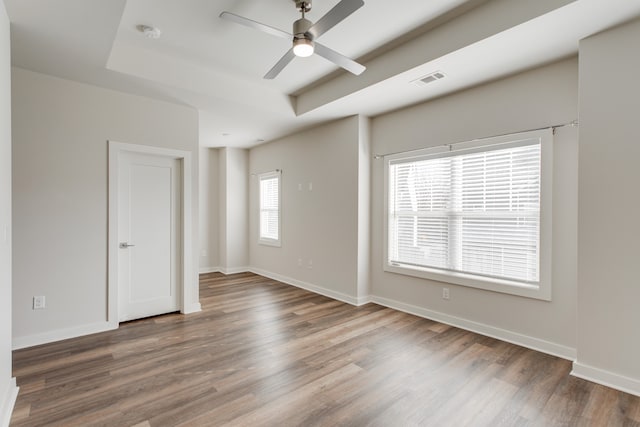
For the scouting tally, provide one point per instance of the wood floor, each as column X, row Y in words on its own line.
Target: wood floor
column 262, row 353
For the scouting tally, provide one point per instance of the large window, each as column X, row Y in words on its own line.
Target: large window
column 474, row 215
column 270, row 208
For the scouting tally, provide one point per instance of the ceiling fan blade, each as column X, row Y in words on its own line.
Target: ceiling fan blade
column 255, row 25
column 334, row 16
column 338, row 59
column 284, row 61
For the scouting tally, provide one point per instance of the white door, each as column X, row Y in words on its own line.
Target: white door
column 149, row 207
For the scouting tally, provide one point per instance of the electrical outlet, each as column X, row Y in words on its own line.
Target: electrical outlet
column 310, row 264
column 299, row 262
column 445, row 293
column 38, row 302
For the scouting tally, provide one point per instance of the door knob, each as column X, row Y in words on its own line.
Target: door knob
column 125, row 245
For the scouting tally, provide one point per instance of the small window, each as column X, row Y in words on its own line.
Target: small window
column 478, row 215
column 270, row 208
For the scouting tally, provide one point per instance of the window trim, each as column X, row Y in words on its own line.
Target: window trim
column 541, row 290
column 263, row 240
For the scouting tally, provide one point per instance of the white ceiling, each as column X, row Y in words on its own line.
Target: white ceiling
column 217, row 66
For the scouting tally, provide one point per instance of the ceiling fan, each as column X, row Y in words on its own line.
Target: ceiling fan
column 305, row 34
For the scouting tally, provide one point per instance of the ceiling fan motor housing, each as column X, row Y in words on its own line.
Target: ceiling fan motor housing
column 301, row 29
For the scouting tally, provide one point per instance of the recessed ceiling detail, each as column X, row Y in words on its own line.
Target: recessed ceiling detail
column 196, row 62
column 149, row 31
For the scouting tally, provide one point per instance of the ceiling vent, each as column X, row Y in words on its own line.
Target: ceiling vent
column 429, row 78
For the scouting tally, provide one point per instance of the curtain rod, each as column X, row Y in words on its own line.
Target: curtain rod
column 262, row 173
column 574, row 123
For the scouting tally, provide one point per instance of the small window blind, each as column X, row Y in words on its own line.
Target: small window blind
column 475, row 212
column 270, row 207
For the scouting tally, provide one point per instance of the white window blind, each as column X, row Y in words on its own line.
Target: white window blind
column 270, row 208
column 474, row 212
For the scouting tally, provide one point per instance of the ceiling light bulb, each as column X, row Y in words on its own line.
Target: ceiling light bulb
column 303, row 47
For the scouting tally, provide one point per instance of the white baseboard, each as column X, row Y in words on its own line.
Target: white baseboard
column 7, row 403
column 78, row 331
column 308, row 286
column 205, row 270
column 606, row 378
column 363, row 300
column 233, row 270
column 192, row 308
column 61, row 334
column 482, row 329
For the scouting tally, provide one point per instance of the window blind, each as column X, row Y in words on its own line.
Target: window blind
column 269, row 207
column 471, row 212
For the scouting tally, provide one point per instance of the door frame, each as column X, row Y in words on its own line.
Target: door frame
column 185, row 291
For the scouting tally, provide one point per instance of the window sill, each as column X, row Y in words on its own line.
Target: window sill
column 528, row 290
column 270, row 242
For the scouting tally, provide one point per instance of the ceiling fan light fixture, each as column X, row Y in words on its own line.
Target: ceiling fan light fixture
column 302, row 47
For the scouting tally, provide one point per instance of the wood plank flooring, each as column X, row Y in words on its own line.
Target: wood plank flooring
column 262, row 353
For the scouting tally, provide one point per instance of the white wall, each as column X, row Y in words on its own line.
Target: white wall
column 608, row 274
column 222, row 207
column 364, row 209
column 320, row 228
column 8, row 388
column 538, row 98
column 209, row 212
column 60, row 133
column 233, row 173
